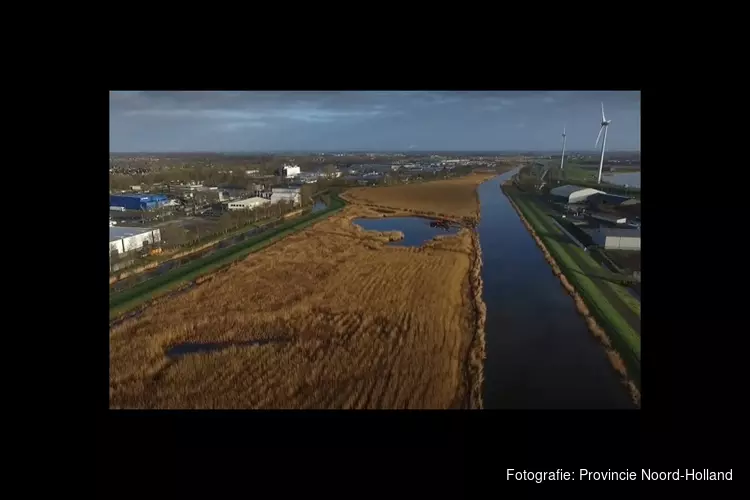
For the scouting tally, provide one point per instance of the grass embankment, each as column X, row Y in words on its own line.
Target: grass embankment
column 363, row 325
column 127, row 299
column 195, row 247
column 612, row 318
column 573, row 174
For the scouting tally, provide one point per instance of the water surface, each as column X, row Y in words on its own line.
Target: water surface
column 540, row 354
column 417, row 230
column 631, row 179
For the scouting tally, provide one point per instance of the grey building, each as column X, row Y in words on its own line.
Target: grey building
column 573, row 194
column 613, row 200
column 616, row 238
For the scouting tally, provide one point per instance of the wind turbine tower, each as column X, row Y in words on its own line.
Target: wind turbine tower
column 562, row 159
column 605, row 126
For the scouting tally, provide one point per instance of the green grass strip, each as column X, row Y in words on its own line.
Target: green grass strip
column 625, row 340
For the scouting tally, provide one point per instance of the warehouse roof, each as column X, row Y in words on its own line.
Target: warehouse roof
column 614, row 199
column 120, row 232
column 138, row 195
column 254, row 199
column 616, row 232
column 568, row 189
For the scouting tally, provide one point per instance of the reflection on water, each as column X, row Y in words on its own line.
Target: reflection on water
column 417, row 230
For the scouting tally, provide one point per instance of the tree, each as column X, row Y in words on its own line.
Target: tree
column 173, row 235
column 306, row 192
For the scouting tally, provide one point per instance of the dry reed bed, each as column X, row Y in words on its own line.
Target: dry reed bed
column 443, row 198
column 370, row 327
column 171, row 256
column 614, row 357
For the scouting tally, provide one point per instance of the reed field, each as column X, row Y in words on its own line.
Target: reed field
column 453, row 198
column 329, row 317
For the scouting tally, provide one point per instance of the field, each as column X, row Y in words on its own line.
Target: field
column 611, row 306
column 198, row 269
column 327, row 318
column 448, row 198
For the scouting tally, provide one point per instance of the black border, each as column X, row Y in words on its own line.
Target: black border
column 685, row 390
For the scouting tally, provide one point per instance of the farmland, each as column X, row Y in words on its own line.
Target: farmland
column 329, row 317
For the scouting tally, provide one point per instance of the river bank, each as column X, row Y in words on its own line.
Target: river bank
column 539, row 352
column 615, row 358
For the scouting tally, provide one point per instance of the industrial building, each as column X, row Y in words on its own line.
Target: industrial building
column 286, row 196
column 289, row 171
column 126, row 239
column 247, row 203
column 616, row 238
column 573, row 194
column 608, row 218
column 137, row 201
column 612, row 200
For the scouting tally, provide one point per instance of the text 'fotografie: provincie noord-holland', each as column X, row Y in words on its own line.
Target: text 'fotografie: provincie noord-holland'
column 626, row 475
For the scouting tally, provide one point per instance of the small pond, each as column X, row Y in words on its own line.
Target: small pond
column 417, row 230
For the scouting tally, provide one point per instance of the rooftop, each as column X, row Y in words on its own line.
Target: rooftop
column 616, row 232
column 254, row 199
column 139, row 195
column 120, row 232
column 615, row 198
column 569, row 189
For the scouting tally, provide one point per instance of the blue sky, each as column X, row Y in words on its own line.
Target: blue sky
column 369, row 120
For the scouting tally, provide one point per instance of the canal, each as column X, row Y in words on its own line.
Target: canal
column 540, row 354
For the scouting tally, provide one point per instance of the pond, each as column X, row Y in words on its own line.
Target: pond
column 417, row 230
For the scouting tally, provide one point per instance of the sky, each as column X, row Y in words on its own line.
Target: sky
column 226, row 121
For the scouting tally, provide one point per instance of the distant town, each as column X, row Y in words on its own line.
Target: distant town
column 169, row 201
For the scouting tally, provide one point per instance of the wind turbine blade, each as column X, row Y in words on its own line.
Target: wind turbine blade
column 603, row 119
column 599, row 136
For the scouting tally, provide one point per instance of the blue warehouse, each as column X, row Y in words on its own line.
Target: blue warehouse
column 137, row 201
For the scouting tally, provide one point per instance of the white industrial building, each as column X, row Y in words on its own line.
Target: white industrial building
column 247, row 203
column 291, row 170
column 574, row 194
column 126, row 239
column 616, row 238
column 295, row 198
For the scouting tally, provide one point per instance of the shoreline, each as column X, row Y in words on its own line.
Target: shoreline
column 593, row 326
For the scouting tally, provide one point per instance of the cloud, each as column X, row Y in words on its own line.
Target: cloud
column 311, row 107
column 340, row 119
column 235, row 126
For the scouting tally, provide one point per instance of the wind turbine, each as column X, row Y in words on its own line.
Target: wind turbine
column 605, row 126
column 562, row 159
